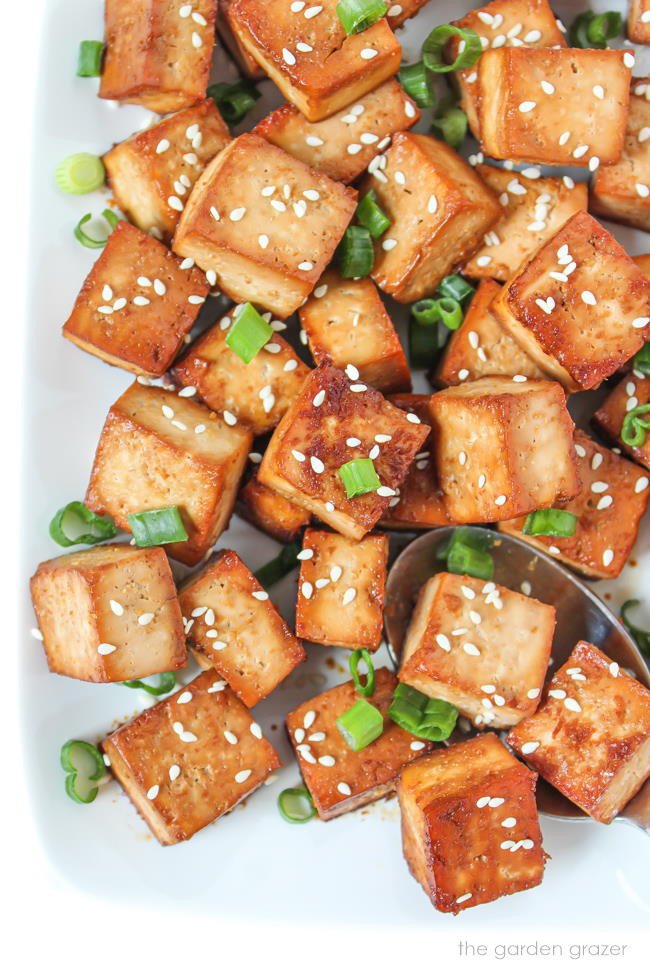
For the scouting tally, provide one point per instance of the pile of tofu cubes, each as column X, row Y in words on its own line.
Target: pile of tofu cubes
column 559, row 308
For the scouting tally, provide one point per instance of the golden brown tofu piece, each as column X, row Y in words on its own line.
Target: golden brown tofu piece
column 332, row 422
column 341, row 589
column 158, row 52
column 590, row 737
column 151, row 173
column 307, row 53
column 109, row 613
column 439, row 211
column 470, row 831
column 397, row 13
column 190, row 758
column 534, row 210
column 503, row 446
column 234, row 627
column 344, row 144
column 157, row 450
column 643, row 260
column 347, row 324
column 482, row 347
column 539, row 106
column 613, row 497
column 632, row 390
column 245, row 61
column 638, row 21
column 266, row 223
column 482, row 648
column 339, row 779
column 269, row 511
column 137, row 304
column 580, row 307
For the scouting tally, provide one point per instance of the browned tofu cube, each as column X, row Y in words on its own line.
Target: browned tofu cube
column 109, row 613
column 503, row 448
column 158, row 52
column 482, row 347
column 347, row 324
column 333, row 421
column 590, row 737
column 341, row 589
column 397, row 13
column 151, row 173
column 483, row 648
column 157, row 450
column 338, row 778
column 245, row 61
column 190, row 758
column 470, row 831
column 580, row 307
column 137, row 304
column 638, row 21
column 632, row 390
column 439, row 211
column 503, row 23
column 344, row 144
column 266, row 223
column 643, row 260
column 307, row 53
column 540, row 106
column 613, row 497
column 269, row 511
column 535, row 209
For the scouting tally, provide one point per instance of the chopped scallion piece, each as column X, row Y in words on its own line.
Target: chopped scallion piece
column 166, row 683
column 367, row 689
column 591, row 30
column 371, row 216
column 426, row 341
column 296, row 805
column 359, row 477
column 425, row 311
column 111, row 219
column 286, row 560
column 355, row 253
column 633, row 430
column 69, row 524
column 358, row 15
column 160, row 526
column 422, row 716
column 641, row 361
column 415, row 82
column 451, row 313
column 641, row 637
column 248, row 333
column 433, row 48
column 360, row 725
column 452, row 125
column 89, row 59
column 467, row 553
column 80, row 173
column 234, row 101
column 455, row 286
column 552, row 522
column 84, row 766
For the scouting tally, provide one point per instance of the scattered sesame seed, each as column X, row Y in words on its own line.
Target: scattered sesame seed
column 105, row 648
column 501, row 500
column 260, row 595
column 348, row 596
column 288, row 57
column 529, row 747
column 527, row 106
column 344, row 789
column 368, row 53
column 327, row 760
column 608, row 557
column 628, row 59
column 641, row 484
column 243, row 775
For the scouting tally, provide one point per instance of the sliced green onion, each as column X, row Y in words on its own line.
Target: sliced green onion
column 160, row 526
column 641, row 361
column 111, row 219
column 552, row 522
column 451, row 313
column 433, row 48
column 633, row 430
column 80, row 173
column 358, row 15
column 422, row 716
column 590, row 30
column 426, row 341
column 455, row 286
column 355, row 253
column 641, row 637
column 367, row 689
column 296, row 805
column 69, row 524
column 467, row 553
column 89, row 59
column 415, row 82
column 166, row 683
column 248, row 333
column 371, row 216
column 286, row 560
column 452, row 125
column 84, row 765
column 359, row 477
column 234, row 101
column 360, row 725
column 425, row 311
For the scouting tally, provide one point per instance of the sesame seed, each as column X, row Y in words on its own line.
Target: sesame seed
column 344, row 789
column 141, row 300
column 348, row 596
column 288, row 57
column 640, row 322
column 495, row 802
column 386, row 492
column 305, row 266
column 368, row 53
column 641, row 485
column 547, row 87
column 174, row 772
column 483, row 801
column 642, row 190
column 145, row 618
column 312, row 12
column 116, row 607
column 572, row 705
column 471, row 649
column 105, row 648
column 195, row 300
column 219, row 685
column 501, row 500
column 184, row 698
column 260, row 595
column 327, row 760
column 484, row 260
column 580, row 151
column 463, row 897
column 298, row 455
column 443, row 642
column 243, row 775
column 608, row 557
column 527, row 106
column 358, row 388
column 529, row 747
column 557, row 693
column 317, row 465
column 237, row 214
column 628, row 59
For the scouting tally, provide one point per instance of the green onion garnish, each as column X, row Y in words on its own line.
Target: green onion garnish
column 371, row 216
column 358, row 15
column 360, row 725
column 433, row 47
column 84, row 765
column 422, row 716
column 415, row 82
column 286, row 560
column 111, row 219
column 359, row 477
column 355, row 253
column 426, row 341
column 234, row 101
column 296, row 805
column 590, row 30
column 160, row 526
column 248, row 333
column 633, row 430
column 551, row 521
column 452, row 125
column 367, row 689
column 81, row 173
column 642, row 637
column 455, row 286
column 467, row 553
column 641, row 361
column 425, row 311
column 69, row 524
column 166, row 683
column 89, row 59
column 451, row 313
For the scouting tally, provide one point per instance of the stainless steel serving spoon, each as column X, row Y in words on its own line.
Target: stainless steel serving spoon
column 581, row 615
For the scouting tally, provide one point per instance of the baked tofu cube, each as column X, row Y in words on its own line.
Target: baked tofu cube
column 482, row 347
column 632, row 390
column 347, row 324
column 621, row 191
column 269, row 511
column 580, row 307
column 234, row 627
column 157, row 450
column 341, row 589
column 157, row 54
column 638, row 21
column 338, row 778
column 334, row 421
column 109, row 613
column 245, row 61
column 258, row 393
column 613, row 497
column 503, row 448
column 151, row 173
column 307, row 53
column 397, row 13
column 539, row 106
column 482, row 648
column 590, row 738
column 243, row 220
column 535, row 209
column 439, row 211
column 343, row 145
column 137, row 304
column 191, row 758
column 643, row 260
column 470, row 831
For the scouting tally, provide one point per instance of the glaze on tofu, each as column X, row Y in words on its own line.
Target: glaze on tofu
column 632, row 390
column 244, row 61
column 269, row 511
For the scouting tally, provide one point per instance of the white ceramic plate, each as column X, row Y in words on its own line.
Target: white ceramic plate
column 250, row 864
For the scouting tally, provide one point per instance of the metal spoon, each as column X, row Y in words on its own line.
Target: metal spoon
column 581, row 615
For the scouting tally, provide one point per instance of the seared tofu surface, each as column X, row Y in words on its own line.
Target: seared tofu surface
column 242, row 58
column 638, row 21
column 633, row 390
column 269, row 511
